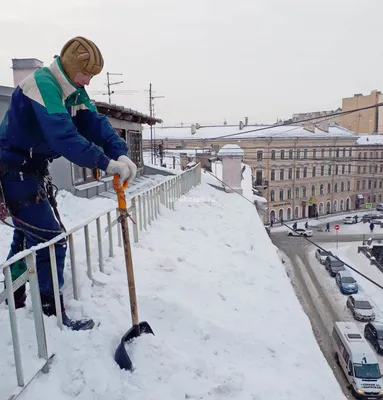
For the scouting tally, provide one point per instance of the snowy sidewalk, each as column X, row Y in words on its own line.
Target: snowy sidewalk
column 211, row 285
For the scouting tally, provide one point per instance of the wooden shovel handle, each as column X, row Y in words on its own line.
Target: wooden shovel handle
column 123, row 219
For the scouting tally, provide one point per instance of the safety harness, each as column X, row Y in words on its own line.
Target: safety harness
column 49, row 191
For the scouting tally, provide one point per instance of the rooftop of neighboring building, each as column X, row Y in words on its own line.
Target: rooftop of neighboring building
column 370, row 140
column 249, row 132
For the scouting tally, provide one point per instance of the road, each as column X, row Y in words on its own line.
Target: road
column 310, row 293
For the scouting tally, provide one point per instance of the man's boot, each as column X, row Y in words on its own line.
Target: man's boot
column 49, row 308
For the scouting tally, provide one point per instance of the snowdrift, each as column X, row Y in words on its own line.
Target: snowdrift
column 213, row 288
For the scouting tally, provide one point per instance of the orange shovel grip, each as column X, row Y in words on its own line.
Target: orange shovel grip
column 120, row 190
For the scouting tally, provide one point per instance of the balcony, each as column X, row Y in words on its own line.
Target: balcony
column 261, row 183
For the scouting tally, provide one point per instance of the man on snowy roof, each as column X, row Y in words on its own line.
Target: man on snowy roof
column 50, row 116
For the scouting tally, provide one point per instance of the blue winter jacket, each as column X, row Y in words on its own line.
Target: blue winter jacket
column 50, row 117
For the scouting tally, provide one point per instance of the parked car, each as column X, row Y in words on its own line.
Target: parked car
column 350, row 220
column 347, row 284
column 371, row 217
column 301, row 232
column 379, row 207
column 333, row 265
column 321, row 255
column 373, row 332
column 361, row 308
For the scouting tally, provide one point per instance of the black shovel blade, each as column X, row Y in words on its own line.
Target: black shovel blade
column 121, row 356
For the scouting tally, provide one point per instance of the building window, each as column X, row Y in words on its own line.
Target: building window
column 281, row 194
column 329, row 170
column 314, row 172
column 350, row 153
column 298, row 173
column 313, row 190
column 369, row 183
column 357, row 185
column 305, row 154
column 380, row 184
column 290, row 173
column 344, row 153
column 273, row 154
column 135, row 146
column 298, row 154
column 375, row 184
column 336, row 188
column 376, row 169
column 85, row 175
column 297, row 192
column 282, row 154
column 342, row 187
column 358, row 169
column 321, row 189
column 343, row 169
column 305, row 172
column 336, row 169
column 289, row 194
column 329, row 188
column 314, row 154
column 272, row 172
column 272, row 195
column 281, row 174
column 259, row 155
column 330, row 153
column 349, row 168
column 337, row 153
column 381, row 167
column 370, row 169
column 360, row 155
column 363, row 184
column 323, row 150
column 303, row 191
column 365, row 155
column 291, row 154
column 348, row 186
column 322, row 170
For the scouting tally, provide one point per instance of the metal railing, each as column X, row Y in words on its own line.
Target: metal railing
column 144, row 208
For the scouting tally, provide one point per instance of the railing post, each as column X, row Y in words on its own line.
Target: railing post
column 158, row 192
column 73, row 267
column 99, row 242
column 140, row 210
column 134, row 215
column 110, row 234
column 87, row 251
column 166, row 186
column 42, row 350
column 152, row 204
column 56, row 289
column 173, row 194
column 144, row 208
column 14, row 329
column 162, row 193
column 148, row 196
column 119, row 233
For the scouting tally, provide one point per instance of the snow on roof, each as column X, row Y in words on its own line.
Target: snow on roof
column 231, row 150
column 185, row 266
column 208, row 132
column 370, row 140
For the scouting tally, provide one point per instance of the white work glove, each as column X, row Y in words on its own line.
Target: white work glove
column 120, row 168
column 131, row 165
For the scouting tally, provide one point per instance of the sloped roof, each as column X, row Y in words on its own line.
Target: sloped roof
column 126, row 114
column 248, row 132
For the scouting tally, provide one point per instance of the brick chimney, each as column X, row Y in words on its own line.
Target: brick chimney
column 22, row 67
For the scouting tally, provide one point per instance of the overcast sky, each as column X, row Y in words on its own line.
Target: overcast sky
column 211, row 59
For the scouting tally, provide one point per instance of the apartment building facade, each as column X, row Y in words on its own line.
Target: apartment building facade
column 363, row 122
column 301, row 171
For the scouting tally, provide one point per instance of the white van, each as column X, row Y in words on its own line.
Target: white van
column 358, row 361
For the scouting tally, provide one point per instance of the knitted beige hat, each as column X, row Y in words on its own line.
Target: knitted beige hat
column 81, row 55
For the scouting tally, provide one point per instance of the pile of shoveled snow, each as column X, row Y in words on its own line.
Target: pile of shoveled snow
column 209, row 281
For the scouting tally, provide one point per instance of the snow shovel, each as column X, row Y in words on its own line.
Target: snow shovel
column 121, row 356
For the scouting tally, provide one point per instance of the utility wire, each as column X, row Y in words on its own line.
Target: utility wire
column 304, row 237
